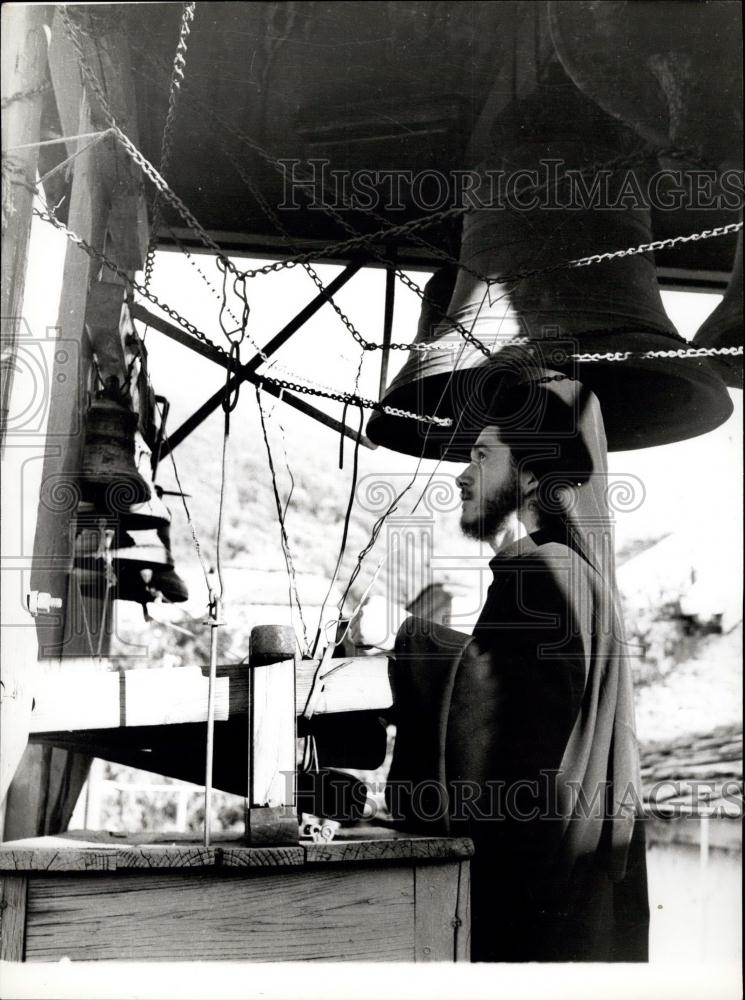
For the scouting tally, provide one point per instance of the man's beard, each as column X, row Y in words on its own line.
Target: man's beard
column 496, row 510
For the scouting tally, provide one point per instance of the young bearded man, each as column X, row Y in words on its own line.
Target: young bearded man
column 521, row 735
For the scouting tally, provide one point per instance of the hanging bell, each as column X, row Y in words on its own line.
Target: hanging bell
column 128, row 586
column 558, row 318
column 724, row 327
column 166, row 581
column 153, row 513
column 91, row 544
column 673, row 70
column 109, row 475
column 136, row 560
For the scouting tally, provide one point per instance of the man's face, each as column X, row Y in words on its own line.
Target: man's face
column 488, row 486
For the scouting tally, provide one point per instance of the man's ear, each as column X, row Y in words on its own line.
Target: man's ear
column 528, row 484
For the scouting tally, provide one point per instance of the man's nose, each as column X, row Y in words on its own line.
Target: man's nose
column 464, row 478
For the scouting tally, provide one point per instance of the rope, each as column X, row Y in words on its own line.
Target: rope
column 26, row 95
column 177, row 78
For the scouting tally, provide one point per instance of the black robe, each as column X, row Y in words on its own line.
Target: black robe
column 522, row 737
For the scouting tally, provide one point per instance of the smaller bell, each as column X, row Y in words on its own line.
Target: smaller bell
column 153, row 513
column 724, row 327
column 167, row 581
column 108, row 472
column 91, row 544
column 128, row 586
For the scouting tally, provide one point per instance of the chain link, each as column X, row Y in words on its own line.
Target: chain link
column 351, row 398
column 177, row 78
column 134, row 285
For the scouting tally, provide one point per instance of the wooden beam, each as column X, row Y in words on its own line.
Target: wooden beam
column 78, row 694
column 24, row 66
column 138, row 312
column 270, row 811
column 103, row 320
column 270, row 348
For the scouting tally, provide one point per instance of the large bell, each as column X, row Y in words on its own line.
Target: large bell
column 109, row 475
column 724, row 327
column 672, row 70
column 551, row 318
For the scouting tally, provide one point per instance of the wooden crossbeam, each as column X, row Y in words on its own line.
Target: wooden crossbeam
column 138, row 312
column 76, row 695
column 271, row 348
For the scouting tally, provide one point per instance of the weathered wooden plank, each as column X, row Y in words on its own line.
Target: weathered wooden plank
column 79, row 695
column 13, row 891
column 436, row 904
column 165, row 856
column 404, row 847
column 325, row 915
column 75, row 694
column 56, row 859
column 260, row 857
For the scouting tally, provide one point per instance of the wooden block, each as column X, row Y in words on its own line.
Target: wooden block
column 271, row 825
column 13, row 891
column 436, row 894
column 270, row 813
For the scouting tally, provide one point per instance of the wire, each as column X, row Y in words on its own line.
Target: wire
column 345, row 530
column 292, row 578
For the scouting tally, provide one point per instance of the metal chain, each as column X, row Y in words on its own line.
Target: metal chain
column 343, row 397
column 191, row 259
column 177, row 78
column 467, row 335
column 26, row 95
column 690, row 352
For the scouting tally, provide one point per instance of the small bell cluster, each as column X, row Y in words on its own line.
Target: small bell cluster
column 122, row 541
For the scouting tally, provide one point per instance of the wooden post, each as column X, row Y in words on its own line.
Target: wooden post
column 24, row 68
column 270, row 810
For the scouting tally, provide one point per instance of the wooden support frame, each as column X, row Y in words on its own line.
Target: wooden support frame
column 251, row 366
column 138, row 312
column 73, row 695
